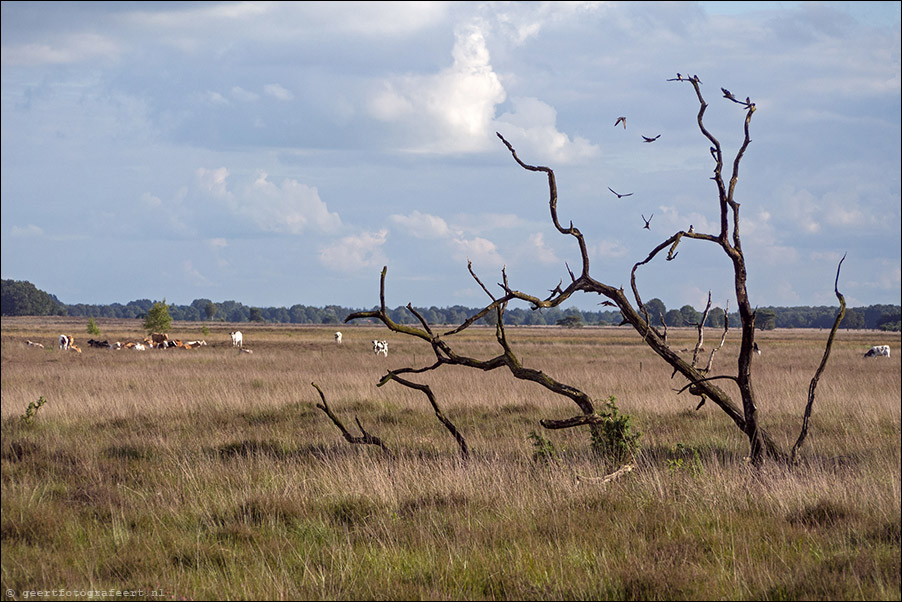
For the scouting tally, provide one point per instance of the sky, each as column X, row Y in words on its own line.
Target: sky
column 278, row 153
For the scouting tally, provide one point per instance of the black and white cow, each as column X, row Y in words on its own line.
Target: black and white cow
column 878, row 351
column 380, row 347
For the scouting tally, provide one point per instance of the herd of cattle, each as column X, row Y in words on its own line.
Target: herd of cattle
column 158, row 340
column 161, row 340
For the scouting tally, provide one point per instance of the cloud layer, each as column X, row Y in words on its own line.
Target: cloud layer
column 282, row 153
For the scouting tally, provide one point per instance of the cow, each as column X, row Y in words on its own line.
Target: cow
column 237, row 339
column 878, row 351
column 33, row 344
column 158, row 340
column 755, row 348
column 66, row 341
column 338, row 338
column 380, row 347
column 194, row 344
column 99, row 344
column 138, row 347
column 74, row 347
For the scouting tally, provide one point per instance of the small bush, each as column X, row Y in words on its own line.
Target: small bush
column 542, row 449
column 93, row 329
column 32, row 410
column 615, row 439
column 684, row 457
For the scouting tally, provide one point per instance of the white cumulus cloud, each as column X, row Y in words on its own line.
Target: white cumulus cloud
column 356, row 252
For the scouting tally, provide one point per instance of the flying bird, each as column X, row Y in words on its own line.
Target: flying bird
column 620, row 196
column 647, row 139
column 647, row 222
column 619, row 121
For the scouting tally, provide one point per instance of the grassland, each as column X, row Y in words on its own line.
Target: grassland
column 211, row 474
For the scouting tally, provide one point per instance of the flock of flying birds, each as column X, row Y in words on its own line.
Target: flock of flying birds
column 622, row 121
column 679, row 77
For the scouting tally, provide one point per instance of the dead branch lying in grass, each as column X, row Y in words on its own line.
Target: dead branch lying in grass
column 365, row 439
column 623, row 470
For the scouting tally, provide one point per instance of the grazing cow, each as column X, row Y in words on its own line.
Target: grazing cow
column 66, row 341
column 338, row 338
column 755, row 348
column 878, row 351
column 237, row 339
column 380, row 347
column 33, row 344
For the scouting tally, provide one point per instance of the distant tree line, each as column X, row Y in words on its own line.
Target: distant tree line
column 21, row 298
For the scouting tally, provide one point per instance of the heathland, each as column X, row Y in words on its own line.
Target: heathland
column 211, row 473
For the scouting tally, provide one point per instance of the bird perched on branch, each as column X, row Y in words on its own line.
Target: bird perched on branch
column 647, row 139
column 647, row 222
column 620, row 196
column 678, row 78
column 619, row 121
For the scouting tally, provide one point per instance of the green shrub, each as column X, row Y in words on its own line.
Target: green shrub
column 542, row 449
column 92, row 327
column 615, row 439
column 32, row 410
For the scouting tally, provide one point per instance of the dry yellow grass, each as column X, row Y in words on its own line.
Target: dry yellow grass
column 210, row 473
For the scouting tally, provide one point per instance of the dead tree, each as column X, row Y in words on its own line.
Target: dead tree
column 744, row 412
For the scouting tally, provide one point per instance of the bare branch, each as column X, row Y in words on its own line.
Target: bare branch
column 461, row 442
column 700, row 326
column 623, row 470
column 723, row 338
column 365, row 439
column 817, row 375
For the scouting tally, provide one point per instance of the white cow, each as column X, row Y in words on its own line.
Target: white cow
column 237, row 339
column 338, row 338
column 878, row 351
column 380, row 347
column 33, row 344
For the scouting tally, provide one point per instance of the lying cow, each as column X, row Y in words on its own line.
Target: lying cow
column 878, row 351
